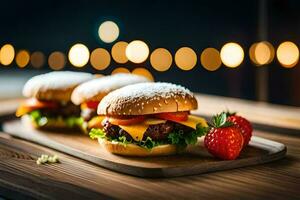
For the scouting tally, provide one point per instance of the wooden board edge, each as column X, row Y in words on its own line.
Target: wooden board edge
column 276, row 151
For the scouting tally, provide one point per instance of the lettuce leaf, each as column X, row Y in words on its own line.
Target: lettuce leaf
column 37, row 117
column 96, row 133
column 74, row 121
column 182, row 139
column 147, row 144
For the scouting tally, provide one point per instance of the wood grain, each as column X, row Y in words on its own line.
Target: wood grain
column 277, row 180
column 196, row 161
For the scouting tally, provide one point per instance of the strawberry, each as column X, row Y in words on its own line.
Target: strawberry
column 223, row 140
column 243, row 124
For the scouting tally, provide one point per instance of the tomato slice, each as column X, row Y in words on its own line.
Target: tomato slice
column 33, row 104
column 92, row 104
column 176, row 116
column 126, row 121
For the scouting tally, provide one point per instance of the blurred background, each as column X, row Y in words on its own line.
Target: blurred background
column 242, row 49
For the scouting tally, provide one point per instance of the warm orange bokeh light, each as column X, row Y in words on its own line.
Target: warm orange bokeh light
column 288, row 54
column 210, row 59
column 100, row 59
column 57, row 60
column 22, row 58
column 143, row 72
column 37, row 59
column 252, row 53
column 261, row 53
column 118, row 52
column 185, row 58
column 161, row 59
column 120, row 70
column 7, row 54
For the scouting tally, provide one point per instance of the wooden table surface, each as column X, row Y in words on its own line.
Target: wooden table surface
column 20, row 177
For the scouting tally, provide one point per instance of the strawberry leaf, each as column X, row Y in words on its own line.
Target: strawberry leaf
column 220, row 120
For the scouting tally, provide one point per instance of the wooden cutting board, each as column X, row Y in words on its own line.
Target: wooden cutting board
column 195, row 161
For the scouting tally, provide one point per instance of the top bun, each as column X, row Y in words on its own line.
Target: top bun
column 54, row 86
column 147, row 98
column 96, row 89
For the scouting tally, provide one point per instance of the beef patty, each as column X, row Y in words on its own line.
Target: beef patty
column 158, row 132
column 66, row 110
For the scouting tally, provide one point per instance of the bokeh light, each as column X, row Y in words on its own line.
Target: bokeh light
column 185, row 58
column 118, row 52
column 264, row 53
column 143, row 72
column 57, row 60
column 261, row 53
column 210, row 59
column 7, row 54
column 37, row 59
column 22, row 58
column 79, row 55
column 108, row 31
column 100, row 59
column 161, row 59
column 232, row 55
column 137, row 51
column 252, row 53
column 120, row 70
column 288, row 54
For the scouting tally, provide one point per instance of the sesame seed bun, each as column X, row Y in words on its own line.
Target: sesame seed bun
column 147, row 98
column 135, row 150
column 96, row 89
column 54, row 86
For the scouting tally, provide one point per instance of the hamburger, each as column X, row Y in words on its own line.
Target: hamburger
column 148, row 119
column 89, row 94
column 48, row 104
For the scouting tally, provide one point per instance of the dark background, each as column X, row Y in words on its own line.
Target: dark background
column 49, row 26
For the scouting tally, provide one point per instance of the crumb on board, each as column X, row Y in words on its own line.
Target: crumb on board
column 47, row 159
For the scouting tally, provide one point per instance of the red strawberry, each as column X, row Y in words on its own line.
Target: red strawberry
column 223, row 140
column 244, row 125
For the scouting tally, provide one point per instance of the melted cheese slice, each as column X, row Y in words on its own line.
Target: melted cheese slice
column 193, row 120
column 136, row 131
column 96, row 122
column 22, row 110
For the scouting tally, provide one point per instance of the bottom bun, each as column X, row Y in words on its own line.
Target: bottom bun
column 57, row 126
column 135, row 150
